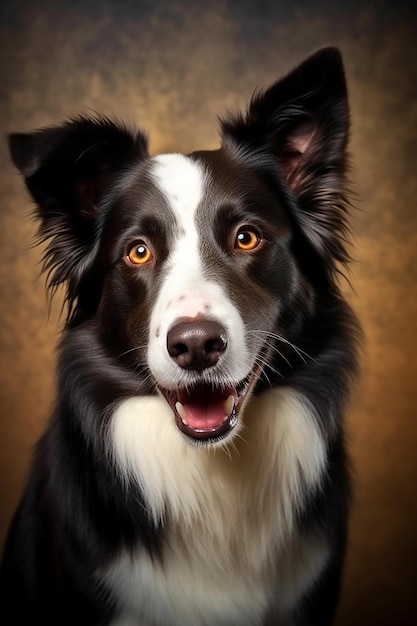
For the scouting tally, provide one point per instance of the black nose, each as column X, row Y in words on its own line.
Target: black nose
column 196, row 344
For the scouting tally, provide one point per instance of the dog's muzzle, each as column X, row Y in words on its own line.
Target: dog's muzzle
column 207, row 410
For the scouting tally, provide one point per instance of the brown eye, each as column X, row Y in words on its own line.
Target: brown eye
column 247, row 240
column 139, row 254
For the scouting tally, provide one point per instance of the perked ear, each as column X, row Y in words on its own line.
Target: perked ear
column 302, row 121
column 67, row 170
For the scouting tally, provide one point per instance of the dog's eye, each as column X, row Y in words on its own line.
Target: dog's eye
column 247, row 240
column 139, row 254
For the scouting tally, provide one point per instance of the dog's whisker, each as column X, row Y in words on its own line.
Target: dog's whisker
column 130, row 350
column 275, row 336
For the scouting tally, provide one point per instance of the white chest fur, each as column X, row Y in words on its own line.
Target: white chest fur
column 231, row 548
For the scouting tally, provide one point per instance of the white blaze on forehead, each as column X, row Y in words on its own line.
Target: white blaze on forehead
column 182, row 182
column 186, row 291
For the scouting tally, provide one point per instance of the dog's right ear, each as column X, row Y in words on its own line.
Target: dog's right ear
column 301, row 125
column 68, row 170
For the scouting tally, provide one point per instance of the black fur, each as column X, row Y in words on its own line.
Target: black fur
column 77, row 513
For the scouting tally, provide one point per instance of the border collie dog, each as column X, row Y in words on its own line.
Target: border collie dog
column 194, row 470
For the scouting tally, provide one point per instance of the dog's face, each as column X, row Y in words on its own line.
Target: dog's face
column 194, row 269
column 200, row 265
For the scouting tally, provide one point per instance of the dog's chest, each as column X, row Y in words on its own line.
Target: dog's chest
column 193, row 589
column 231, row 550
column 187, row 590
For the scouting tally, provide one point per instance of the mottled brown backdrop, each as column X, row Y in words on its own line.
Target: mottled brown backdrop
column 172, row 66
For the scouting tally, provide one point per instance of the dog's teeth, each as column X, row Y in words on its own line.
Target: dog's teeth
column 181, row 412
column 229, row 405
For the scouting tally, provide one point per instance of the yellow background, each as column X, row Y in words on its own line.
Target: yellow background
column 172, row 66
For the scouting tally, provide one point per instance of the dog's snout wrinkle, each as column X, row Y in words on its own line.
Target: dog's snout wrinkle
column 196, row 344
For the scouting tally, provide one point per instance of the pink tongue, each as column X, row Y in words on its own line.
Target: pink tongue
column 205, row 408
column 204, row 418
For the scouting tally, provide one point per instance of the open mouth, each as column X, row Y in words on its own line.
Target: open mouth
column 206, row 412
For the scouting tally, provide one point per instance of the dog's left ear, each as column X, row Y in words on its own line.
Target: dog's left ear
column 68, row 171
column 303, row 122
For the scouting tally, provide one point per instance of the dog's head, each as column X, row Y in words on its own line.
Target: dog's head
column 193, row 269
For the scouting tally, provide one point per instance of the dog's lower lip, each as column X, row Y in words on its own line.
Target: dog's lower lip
column 209, row 434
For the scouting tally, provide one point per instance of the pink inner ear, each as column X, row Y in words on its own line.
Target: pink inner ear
column 297, row 144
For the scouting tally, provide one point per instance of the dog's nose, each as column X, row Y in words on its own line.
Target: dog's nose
column 196, row 344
